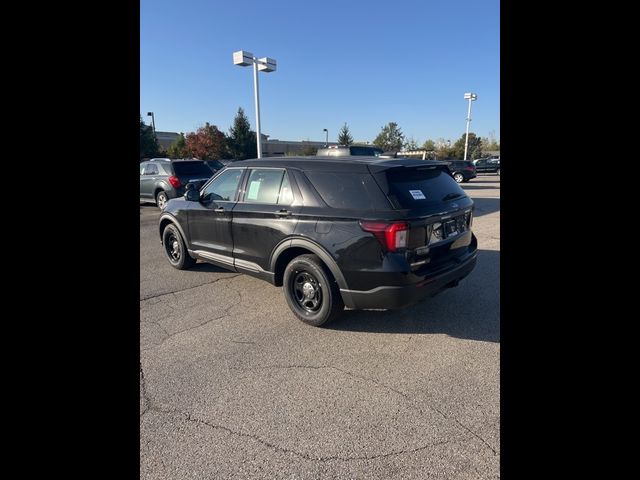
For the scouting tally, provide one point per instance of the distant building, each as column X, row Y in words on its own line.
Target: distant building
column 166, row 138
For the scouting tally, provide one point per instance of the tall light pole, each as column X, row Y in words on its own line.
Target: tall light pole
column 265, row 64
column 153, row 121
column 326, row 141
column 471, row 97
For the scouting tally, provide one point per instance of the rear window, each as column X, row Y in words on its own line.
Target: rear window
column 414, row 187
column 349, row 190
column 191, row 168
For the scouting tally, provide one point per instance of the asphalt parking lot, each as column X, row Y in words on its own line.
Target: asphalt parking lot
column 233, row 386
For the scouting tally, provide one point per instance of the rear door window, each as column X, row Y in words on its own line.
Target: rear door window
column 415, row 187
column 263, row 185
column 150, row 169
column 349, row 190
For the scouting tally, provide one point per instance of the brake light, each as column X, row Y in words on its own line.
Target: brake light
column 174, row 181
column 471, row 168
column 392, row 236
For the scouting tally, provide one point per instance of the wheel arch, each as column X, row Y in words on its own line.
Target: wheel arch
column 289, row 249
column 166, row 219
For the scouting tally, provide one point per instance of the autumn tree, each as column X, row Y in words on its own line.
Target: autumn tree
column 390, row 138
column 148, row 142
column 344, row 137
column 242, row 140
column 207, row 143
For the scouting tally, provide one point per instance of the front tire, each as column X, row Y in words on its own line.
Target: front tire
column 175, row 249
column 458, row 177
column 498, row 172
column 311, row 292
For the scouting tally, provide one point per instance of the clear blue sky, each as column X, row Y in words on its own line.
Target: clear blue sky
column 362, row 62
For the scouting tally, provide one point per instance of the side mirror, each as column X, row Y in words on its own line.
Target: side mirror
column 192, row 195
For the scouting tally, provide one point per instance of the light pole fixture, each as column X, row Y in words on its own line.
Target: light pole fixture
column 471, row 97
column 153, row 121
column 264, row 64
column 326, row 141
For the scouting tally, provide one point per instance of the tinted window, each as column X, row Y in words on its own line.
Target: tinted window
column 263, row 186
column 150, row 169
column 407, row 186
column 349, row 190
column 366, row 151
column 224, row 187
column 192, row 169
column 215, row 165
column 142, row 165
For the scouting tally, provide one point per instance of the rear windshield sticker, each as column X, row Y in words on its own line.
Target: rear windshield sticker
column 417, row 194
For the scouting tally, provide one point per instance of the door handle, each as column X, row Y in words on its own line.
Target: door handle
column 219, row 209
column 283, row 213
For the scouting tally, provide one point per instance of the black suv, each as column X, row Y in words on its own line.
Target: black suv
column 363, row 232
column 461, row 170
column 487, row 165
column 162, row 178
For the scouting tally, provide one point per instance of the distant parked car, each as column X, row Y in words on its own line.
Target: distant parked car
column 215, row 165
column 487, row 165
column 462, row 171
column 353, row 150
column 164, row 178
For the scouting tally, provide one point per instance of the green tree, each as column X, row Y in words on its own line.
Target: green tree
column 411, row 144
column 148, row 141
column 208, row 143
column 178, row 149
column 429, row 145
column 475, row 147
column 344, row 137
column 242, row 140
column 390, row 138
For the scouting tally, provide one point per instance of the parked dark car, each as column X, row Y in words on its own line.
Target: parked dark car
column 359, row 231
column 162, row 178
column 461, row 170
column 214, row 165
column 353, row 150
column 487, row 165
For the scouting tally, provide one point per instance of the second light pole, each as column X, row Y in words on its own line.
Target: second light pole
column 326, row 141
column 471, row 97
column 265, row 64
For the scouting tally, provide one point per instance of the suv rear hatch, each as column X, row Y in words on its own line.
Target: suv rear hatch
column 437, row 209
column 192, row 171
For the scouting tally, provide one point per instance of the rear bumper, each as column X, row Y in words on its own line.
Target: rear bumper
column 392, row 297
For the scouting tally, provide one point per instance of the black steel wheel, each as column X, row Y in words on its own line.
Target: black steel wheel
column 311, row 291
column 175, row 249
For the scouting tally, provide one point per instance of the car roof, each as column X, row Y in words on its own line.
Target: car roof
column 336, row 164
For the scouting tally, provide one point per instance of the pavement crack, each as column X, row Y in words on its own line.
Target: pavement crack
column 280, row 449
column 224, row 314
column 387, row 387
column 189, row 288
column 462, row 425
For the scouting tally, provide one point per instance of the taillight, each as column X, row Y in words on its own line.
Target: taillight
column 470, row 168
column 392, row 236
column 174, row 181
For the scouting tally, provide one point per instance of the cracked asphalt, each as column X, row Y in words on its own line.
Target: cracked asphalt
column 233, row 386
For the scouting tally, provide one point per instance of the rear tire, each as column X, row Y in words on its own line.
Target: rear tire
column 175, row 248
column 458, row 177
column 311, row 292
column 498, row 172
column 161, row 199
